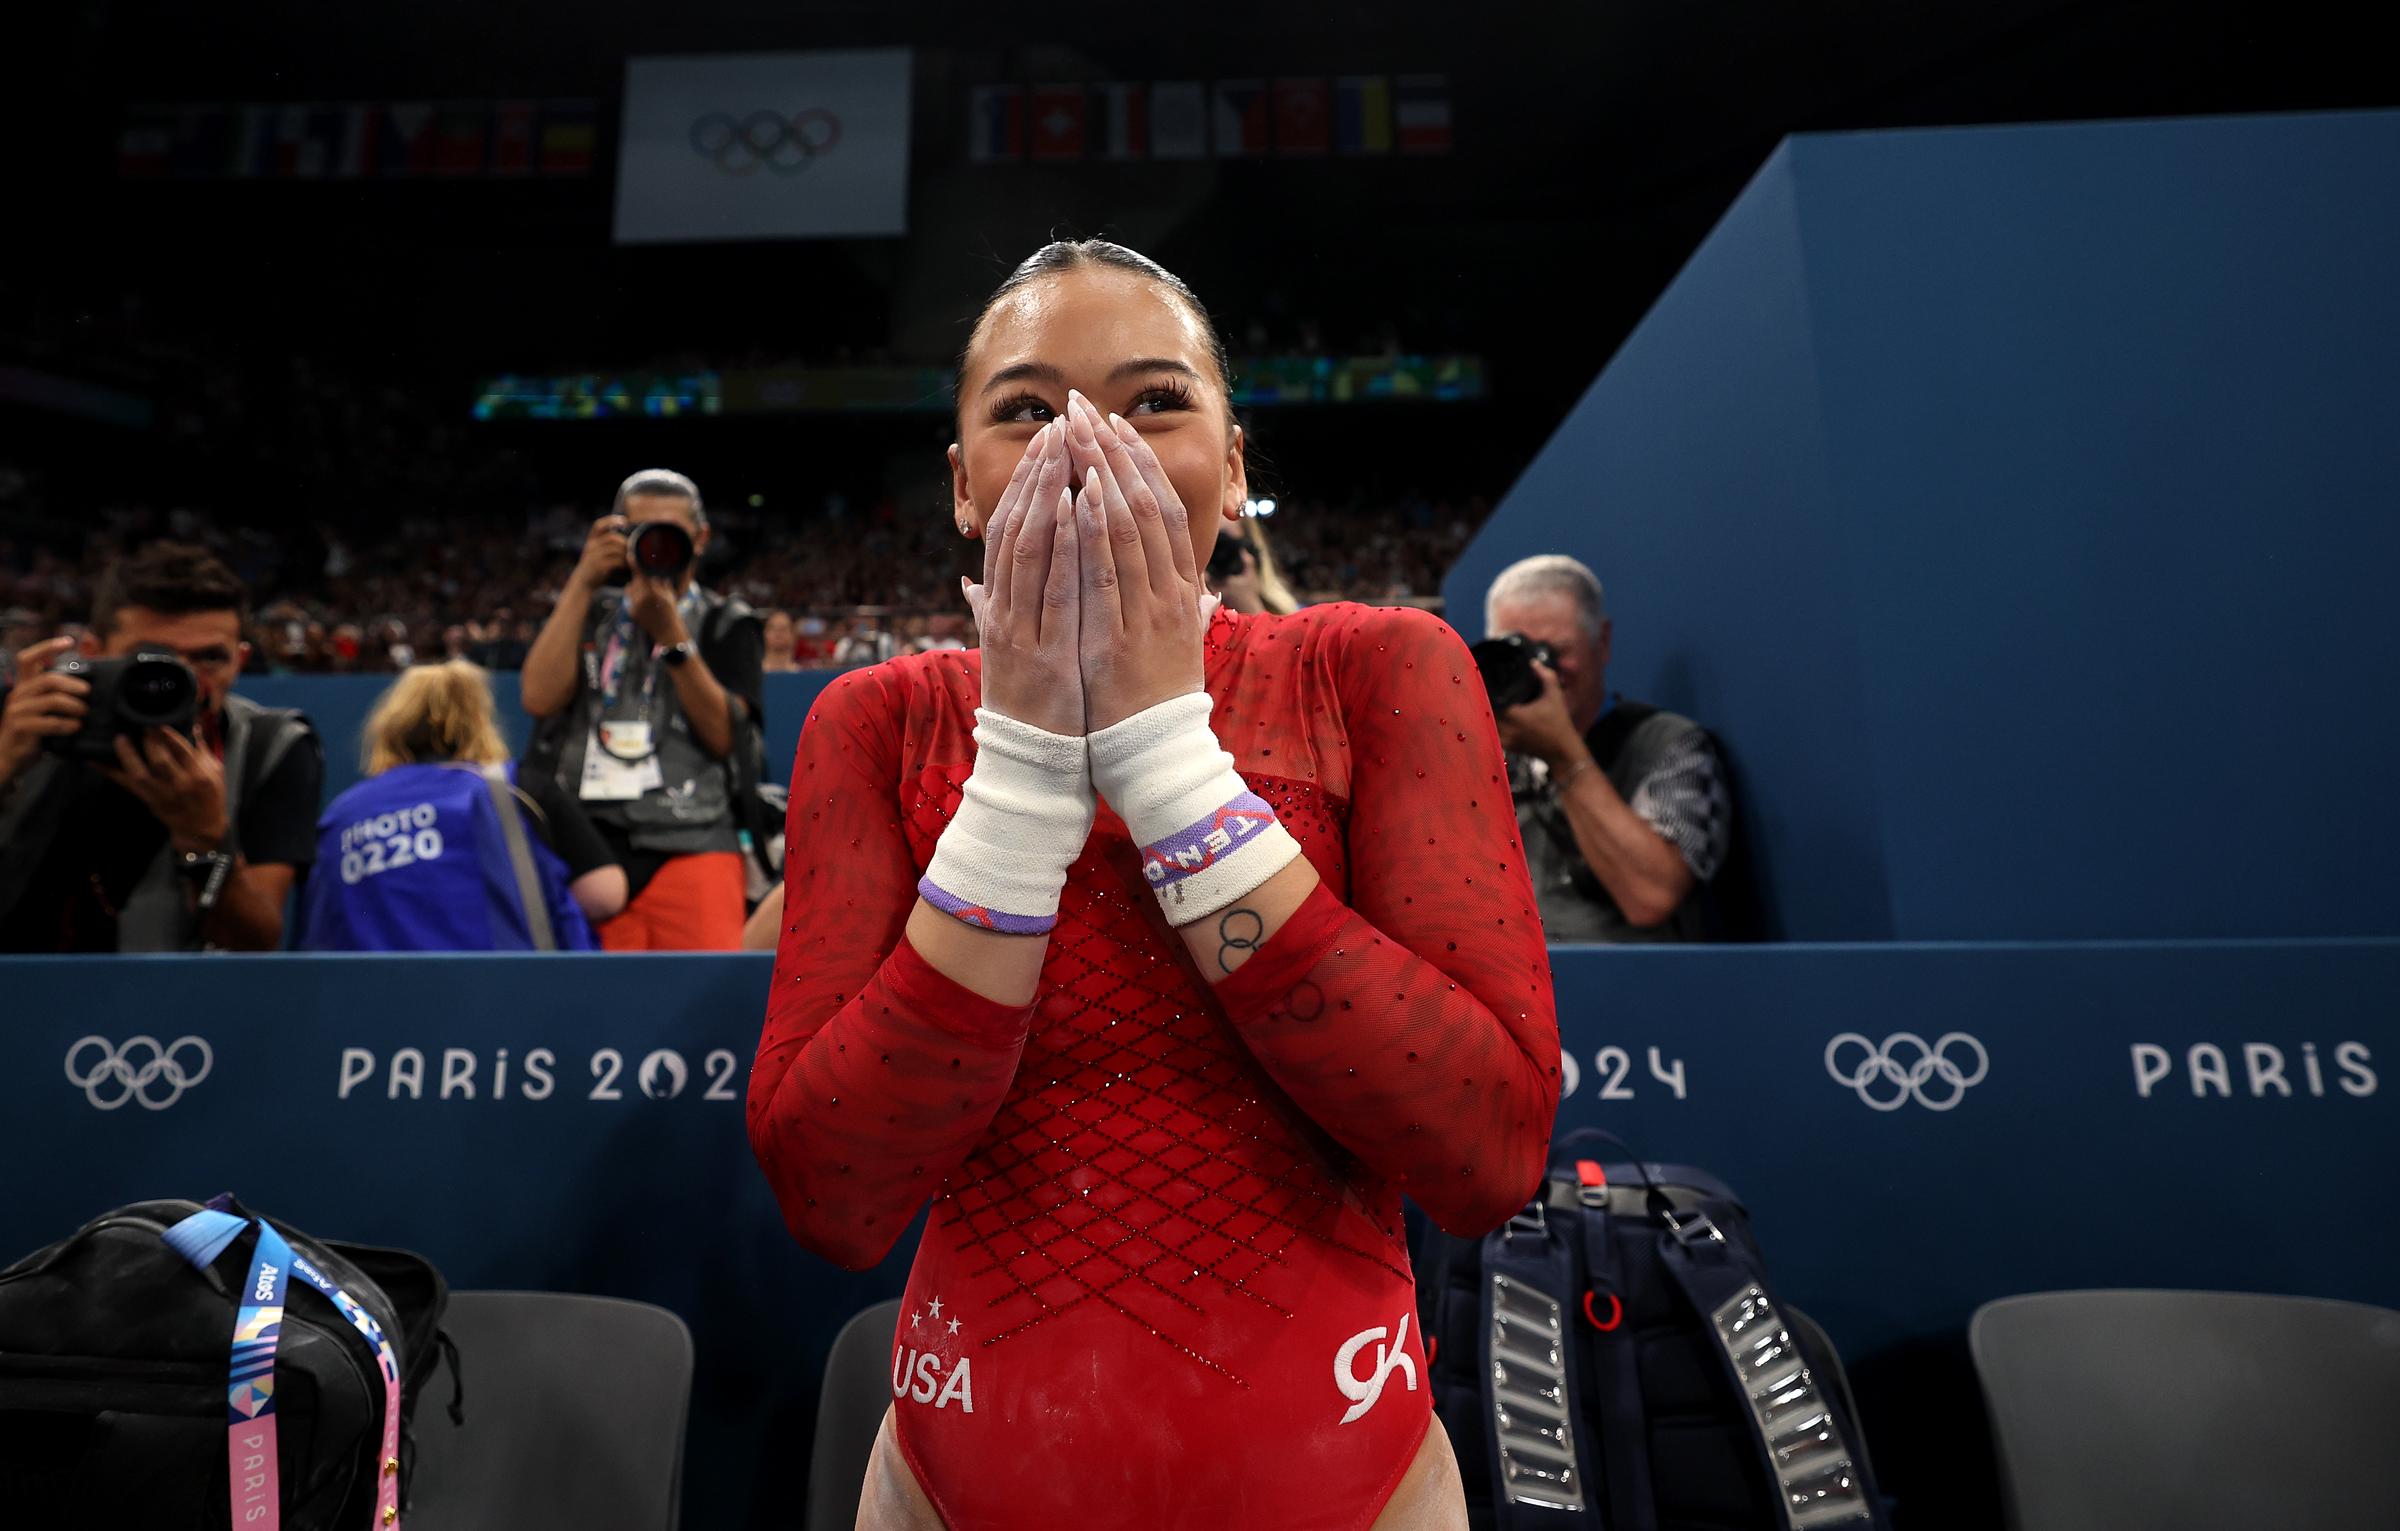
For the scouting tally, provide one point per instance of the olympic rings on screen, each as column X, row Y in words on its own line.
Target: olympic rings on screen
column 1897, row 1072
column 785, row 145
column 119, row 1074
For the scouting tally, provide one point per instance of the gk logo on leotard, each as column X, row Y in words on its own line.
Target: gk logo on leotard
column 1363, row 1391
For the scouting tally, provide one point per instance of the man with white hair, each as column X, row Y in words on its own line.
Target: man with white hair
column 1622, row 806
column 645, row 688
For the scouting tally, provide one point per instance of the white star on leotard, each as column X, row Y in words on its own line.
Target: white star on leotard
column 936, row 1307
column 914, row 1317
column 954, row 1326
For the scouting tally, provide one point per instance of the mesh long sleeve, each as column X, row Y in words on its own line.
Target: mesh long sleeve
column 1416, row 1024
column 875, row 1074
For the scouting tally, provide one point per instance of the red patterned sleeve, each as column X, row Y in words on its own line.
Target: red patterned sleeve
column 1415, row 1023
column 875, row 1073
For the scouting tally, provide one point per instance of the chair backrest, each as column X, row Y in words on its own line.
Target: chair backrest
column 858, row 1388
column 574, row 1416
column 2205, row 1411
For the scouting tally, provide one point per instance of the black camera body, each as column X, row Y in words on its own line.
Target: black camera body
column 660, row 549
column 130, row 695
column 1506, row 663
column 1225, row 559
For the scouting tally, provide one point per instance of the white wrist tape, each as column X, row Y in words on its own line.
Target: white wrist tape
column 1206, row 839
column 1024, row 817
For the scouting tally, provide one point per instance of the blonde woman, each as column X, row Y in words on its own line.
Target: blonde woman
column 441, row 848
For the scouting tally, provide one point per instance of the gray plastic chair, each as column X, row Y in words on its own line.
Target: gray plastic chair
column 574, row 1417
column 850, row 1406
column 2196, row 1411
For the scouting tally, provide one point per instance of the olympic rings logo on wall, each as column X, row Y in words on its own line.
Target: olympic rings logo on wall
column 785, row 145
column 119, row 1074
column 1890, row 1076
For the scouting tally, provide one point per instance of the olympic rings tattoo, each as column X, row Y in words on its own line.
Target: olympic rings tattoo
column 1230, row 941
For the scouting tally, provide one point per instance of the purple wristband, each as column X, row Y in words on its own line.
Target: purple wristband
column 982, row 918
column 1200, row 846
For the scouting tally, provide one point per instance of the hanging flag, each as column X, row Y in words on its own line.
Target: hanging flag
column 810, row 145
column 355, row 153
column 461, row 137
column 569, row 132
column 146, row 144
column 321, row 144
column 253, row 149
column 1239, row 124
column 1421, row 114
column 995, row 123
column 284, row 147
column 404, row 139
column 1303, row 117
column 203, row 143
column 1056, row 122
column 512, row 138
column 307, row 143
column 1117, row 122
column 1362, row 114
column 1179, row 120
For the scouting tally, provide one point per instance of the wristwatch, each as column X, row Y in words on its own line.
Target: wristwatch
column 208, row 870
column 674, row 655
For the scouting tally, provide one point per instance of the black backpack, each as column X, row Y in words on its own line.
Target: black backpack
column 114, row 1355
column 1614, row 1359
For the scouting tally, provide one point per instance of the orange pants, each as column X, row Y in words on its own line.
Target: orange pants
column 694, row 904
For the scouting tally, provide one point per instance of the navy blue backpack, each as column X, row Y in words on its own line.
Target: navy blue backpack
column 1614, row 1359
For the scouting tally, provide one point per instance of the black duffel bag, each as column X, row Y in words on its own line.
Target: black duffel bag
column 116, row 1354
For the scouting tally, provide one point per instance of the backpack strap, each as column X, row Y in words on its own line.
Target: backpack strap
column 1612, row 1348
column 1546, row 1475
column 520, row 858
column 1803, row 1442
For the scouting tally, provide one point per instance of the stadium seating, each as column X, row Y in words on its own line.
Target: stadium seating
column 2204, row 1411
column 574, row 1410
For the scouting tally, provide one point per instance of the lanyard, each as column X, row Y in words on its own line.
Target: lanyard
column 611, row 670
column 251, row 1468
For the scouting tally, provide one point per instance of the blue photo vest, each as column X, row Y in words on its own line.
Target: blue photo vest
column 415, row 860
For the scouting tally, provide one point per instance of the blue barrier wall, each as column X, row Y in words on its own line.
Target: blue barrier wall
column 2017, row 504
column 339, row 704
column 2167, row 1114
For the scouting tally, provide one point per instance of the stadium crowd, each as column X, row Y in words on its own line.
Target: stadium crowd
column 857, row 583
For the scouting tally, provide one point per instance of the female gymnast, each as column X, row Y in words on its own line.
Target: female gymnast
column 1165, row 949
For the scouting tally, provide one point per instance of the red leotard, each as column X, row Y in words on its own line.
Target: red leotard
column 1164, row 1282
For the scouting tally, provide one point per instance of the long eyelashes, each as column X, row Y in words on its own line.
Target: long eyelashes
column 1028, row 407
column 1032, row 409
column 1165, row 396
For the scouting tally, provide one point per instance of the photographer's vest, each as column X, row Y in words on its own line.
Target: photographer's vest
column 622, row 680
column 1627, row 743
column 425, row 858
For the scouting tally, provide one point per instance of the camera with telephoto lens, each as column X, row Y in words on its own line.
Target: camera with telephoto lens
column 1226, row 560
column 1507, row 665
column 660, row 549
column 130, row 695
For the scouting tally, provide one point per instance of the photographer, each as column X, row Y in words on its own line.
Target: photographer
column 1242, row 572
column 1622, row 806
column 647, row 688
column 186, row 833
